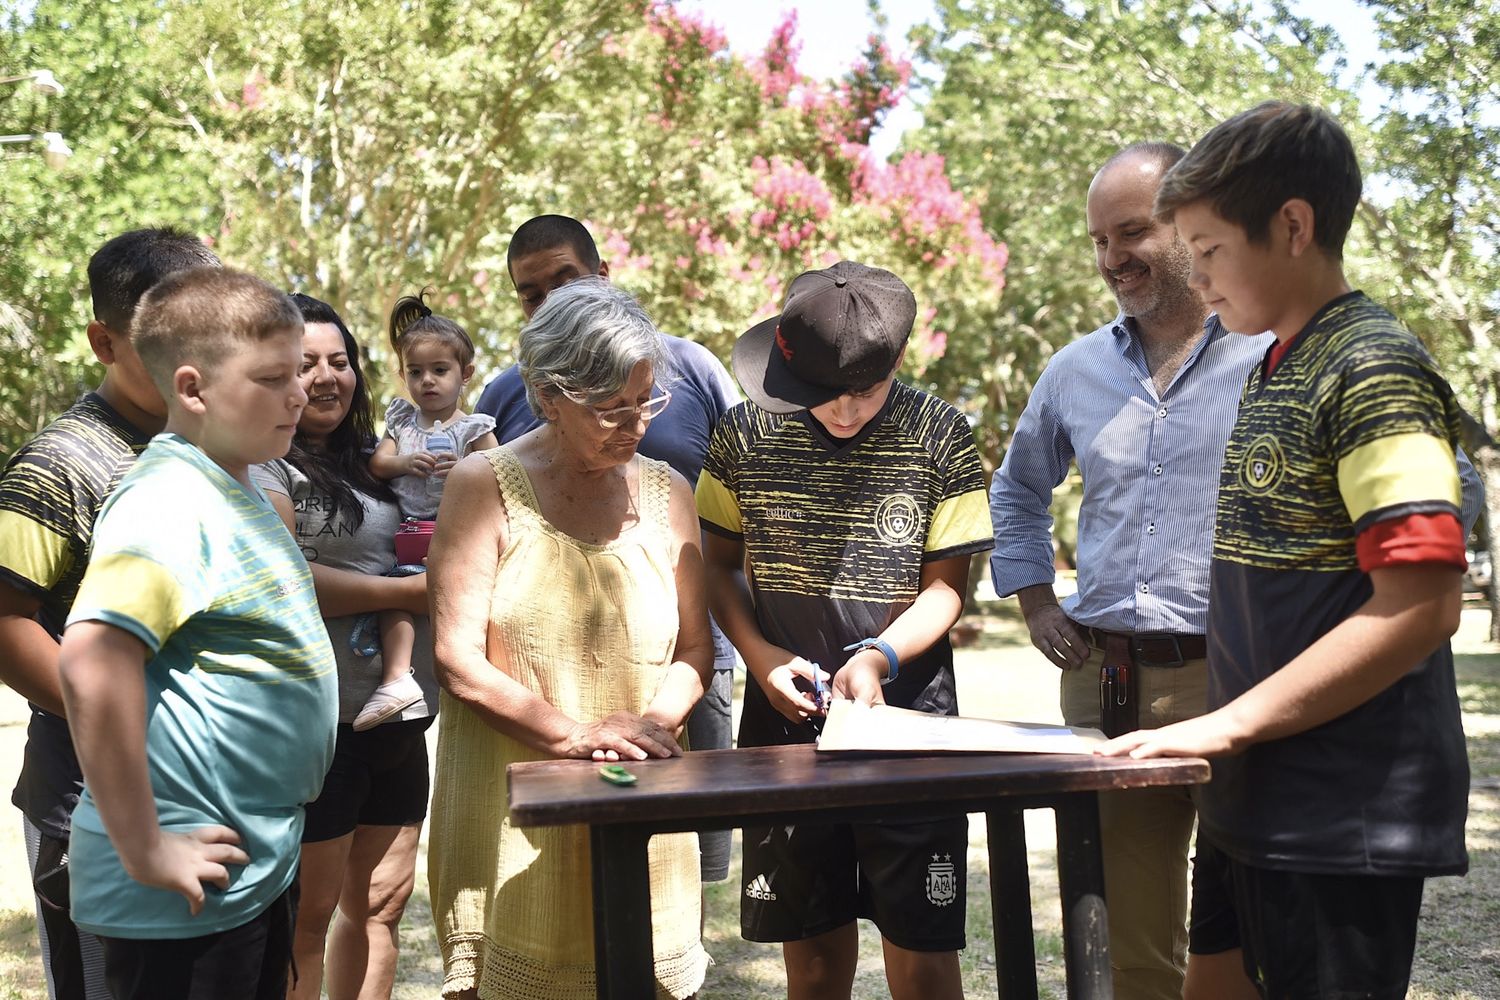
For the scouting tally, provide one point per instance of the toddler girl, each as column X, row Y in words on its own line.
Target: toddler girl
column 437, row 361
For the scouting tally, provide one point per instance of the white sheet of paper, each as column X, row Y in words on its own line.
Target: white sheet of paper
column 852, row 726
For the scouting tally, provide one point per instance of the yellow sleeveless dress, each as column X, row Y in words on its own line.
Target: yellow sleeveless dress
column 590, row 628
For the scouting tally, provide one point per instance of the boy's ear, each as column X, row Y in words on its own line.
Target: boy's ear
column 603, row 271
column 1297, row 218
column 187, row 386
column 102, row 340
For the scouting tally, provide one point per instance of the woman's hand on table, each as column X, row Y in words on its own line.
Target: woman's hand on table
column 621, row 736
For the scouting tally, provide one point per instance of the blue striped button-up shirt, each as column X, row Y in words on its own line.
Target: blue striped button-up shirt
column 1150, row 467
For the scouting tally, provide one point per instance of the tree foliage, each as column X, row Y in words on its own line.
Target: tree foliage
column 361, row 150
column 1031, row 96
column 134, row 163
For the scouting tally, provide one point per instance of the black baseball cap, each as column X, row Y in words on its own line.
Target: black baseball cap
column 840, row 329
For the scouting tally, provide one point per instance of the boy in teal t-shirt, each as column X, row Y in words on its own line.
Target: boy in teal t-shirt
column 195, row 666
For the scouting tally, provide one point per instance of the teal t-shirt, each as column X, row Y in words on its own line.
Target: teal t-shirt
column 241, row 690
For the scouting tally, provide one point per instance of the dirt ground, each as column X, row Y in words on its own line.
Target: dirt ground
column 1458, row 950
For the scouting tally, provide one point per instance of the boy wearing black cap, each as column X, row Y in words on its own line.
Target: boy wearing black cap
column 855, row 501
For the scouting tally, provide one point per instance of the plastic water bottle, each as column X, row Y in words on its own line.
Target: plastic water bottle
column 439, row 442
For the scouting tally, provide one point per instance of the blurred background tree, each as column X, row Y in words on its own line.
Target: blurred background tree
column 357, row 151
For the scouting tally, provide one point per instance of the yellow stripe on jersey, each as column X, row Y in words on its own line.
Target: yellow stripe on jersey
column 717, row 505
column 960, row 520
column 1399, row 469
column 132, row 586
column 32, row 550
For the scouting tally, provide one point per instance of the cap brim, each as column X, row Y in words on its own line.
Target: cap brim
column 763, row 374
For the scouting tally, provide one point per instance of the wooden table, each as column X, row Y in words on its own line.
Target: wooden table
column 719, row 789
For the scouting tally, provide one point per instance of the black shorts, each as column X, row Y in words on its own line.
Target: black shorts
column 909, row 878
column 378, row 778
column 1320, row 937
column 248, row 962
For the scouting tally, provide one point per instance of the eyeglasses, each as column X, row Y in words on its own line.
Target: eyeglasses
column 620, row 415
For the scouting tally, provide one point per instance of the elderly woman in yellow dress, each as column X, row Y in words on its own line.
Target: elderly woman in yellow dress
column 568, row 611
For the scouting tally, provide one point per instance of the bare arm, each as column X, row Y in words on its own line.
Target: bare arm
column 1412, row 611
column 692, row 666
column 939, row 602
column 104, row 686
column 344, row 592
column 773, row 668
column 485, row 442
column 387, row 463
column 466, row 547
column 28, row 653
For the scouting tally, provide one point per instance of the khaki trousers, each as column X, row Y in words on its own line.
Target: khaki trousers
column 1147, row 834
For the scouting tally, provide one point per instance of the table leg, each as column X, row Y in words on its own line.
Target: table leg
column 1080, row 877
column 623, row 955
column 1010, row 901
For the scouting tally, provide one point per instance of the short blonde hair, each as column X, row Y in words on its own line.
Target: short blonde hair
column 199, row 316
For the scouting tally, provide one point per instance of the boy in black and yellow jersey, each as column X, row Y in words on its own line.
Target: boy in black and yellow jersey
column 50, row 493
column 855, row 502
column 1340, row 777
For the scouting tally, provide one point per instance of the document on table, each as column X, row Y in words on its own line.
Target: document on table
column 883, row 728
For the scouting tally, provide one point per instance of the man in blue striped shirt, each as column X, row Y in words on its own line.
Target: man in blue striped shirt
column 1144, row 405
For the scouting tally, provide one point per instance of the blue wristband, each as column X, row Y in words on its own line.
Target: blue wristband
column 892, row 661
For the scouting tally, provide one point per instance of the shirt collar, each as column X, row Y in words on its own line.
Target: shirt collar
column 1124, row 329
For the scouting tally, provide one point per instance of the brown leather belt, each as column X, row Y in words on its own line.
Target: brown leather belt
column 1149, row 649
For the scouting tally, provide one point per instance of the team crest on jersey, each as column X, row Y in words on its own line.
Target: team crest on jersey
column 942, row 883
column 897, row 519
column 1263, row 465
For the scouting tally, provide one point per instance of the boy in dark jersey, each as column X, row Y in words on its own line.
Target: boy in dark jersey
column 50, row 494
column 1340, row 775
column 855, row 502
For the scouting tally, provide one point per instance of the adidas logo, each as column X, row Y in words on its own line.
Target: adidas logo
column 759, row 888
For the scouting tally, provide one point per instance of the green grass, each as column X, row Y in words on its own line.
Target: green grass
column 1458, row 948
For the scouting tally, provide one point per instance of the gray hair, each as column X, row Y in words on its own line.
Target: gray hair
column 584, row 341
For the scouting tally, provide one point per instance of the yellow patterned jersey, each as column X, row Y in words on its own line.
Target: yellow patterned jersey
column 1353, row 428
column 50, row 494
column 836, row 532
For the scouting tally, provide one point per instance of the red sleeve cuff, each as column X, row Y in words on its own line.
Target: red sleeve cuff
column 1416, row 538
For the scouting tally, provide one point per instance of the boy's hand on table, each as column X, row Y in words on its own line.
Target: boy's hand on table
column 860, row 676
column 183, row 862
column 1206, row 736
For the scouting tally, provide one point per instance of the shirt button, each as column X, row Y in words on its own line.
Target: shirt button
column 1150, row 529
column 1162, row 412
column 1156, row 470
column 1145, row 588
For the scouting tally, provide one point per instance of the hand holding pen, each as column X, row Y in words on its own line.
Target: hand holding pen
column 792, row 689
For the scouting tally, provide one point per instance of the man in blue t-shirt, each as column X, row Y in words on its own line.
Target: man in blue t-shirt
column 546, row 253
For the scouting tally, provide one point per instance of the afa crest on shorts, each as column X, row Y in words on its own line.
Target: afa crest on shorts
column 942, row 884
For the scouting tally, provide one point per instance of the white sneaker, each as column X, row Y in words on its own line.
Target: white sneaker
column 388, row 701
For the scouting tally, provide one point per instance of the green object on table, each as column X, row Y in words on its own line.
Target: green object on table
column 616, row 775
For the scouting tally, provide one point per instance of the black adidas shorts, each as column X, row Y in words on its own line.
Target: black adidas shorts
column 909, row 878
